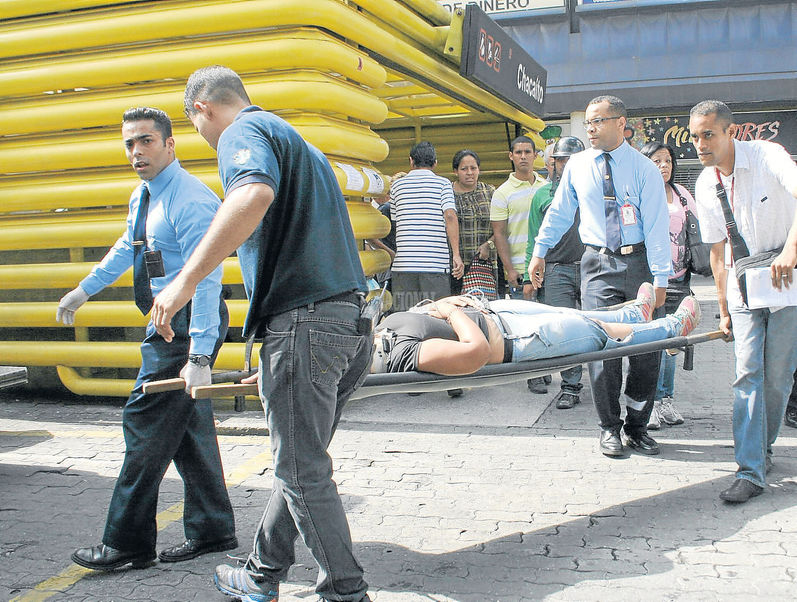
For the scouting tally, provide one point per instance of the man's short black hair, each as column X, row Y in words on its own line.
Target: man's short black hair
column 714, row 107
column 616, row 105
column 162, row 122
column 423, row 154
column 215, row 84
column 523, row 140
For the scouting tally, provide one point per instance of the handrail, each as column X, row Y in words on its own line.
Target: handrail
column 279, row 92
column 304, row 49
column 82, row 385
column 68, row 230
column 95, row 149
column 98, row 354
column 112, row 187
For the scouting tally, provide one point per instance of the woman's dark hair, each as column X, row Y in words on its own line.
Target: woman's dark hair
column 652, row 148
column 461, row 155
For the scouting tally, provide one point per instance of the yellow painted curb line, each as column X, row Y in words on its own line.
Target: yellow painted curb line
column 74, row 573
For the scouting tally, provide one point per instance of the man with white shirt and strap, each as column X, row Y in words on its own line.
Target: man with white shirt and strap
column 760, row 183
column 169, row 214
column 625, row 229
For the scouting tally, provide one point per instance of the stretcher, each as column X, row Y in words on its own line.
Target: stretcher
column 489, row 376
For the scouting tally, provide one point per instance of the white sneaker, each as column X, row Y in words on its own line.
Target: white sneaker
column 654, row 422
column 668, row 413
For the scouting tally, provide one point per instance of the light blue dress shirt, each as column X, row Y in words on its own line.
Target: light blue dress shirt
column 637, row 182
column 181, row 208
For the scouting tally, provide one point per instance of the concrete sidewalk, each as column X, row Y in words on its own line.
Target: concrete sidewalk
column 495, row 495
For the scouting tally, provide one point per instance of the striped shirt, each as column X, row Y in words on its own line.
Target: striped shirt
column 417, row 203
column 511, row 202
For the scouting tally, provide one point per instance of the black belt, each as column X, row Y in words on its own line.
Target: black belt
column 354, row 296
column 508, row 347
column 624, row 250
column 350, row 296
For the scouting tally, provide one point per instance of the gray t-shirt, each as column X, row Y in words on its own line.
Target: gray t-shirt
column 411, row 329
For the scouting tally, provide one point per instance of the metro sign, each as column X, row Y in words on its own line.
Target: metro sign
column 489, row 51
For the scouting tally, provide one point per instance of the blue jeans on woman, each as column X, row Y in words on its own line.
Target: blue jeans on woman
column 766, row 358
column 541, row 331
column 676, row 291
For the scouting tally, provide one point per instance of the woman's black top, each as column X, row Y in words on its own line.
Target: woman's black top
column 407, row 330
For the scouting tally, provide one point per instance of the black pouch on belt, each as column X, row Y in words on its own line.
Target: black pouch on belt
column 154, row 262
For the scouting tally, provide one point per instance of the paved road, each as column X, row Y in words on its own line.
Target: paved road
column 492, row 496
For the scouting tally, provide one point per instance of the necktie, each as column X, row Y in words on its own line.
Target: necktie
column 613, row 238
column 141, row 290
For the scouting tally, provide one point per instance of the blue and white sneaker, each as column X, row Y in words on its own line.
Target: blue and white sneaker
column 238, row 583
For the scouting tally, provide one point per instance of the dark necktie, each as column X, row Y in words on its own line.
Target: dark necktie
column 141, row 290
column 613, row 237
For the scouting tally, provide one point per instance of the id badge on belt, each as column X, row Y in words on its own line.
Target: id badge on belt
column 628, row 214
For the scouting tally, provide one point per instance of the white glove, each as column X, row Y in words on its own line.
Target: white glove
column 195, row 376
column 69, row 304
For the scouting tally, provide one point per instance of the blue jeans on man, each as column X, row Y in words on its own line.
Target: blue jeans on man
column 312, row 359
column 766, row 358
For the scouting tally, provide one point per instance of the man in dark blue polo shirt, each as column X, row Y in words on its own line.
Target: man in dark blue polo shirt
column 285, row 214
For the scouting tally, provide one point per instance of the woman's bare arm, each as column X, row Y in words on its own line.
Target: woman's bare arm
column 454, row 358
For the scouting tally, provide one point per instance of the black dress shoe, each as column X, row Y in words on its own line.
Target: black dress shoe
column 642, row 443
column 191, row 548
column 106, row 558
column 790, row 419
column 741, row 491
column 610, row 443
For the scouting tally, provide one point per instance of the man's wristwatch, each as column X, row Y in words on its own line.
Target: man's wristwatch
column 199, row 360
column 491, row 244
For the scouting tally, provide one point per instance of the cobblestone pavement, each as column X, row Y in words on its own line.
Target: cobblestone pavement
column 495, row 495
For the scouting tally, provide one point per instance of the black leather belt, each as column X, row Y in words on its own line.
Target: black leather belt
column 355, row 297
column 624, row 250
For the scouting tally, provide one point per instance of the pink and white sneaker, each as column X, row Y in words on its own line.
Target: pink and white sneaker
column 646, row 300
column 688, row 315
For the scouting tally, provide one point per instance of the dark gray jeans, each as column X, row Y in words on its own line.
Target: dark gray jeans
column 311, row 361
column 410, row 288
column 607, row 280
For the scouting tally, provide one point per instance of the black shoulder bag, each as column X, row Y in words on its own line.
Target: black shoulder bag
column 699, row 252
column 742, row 259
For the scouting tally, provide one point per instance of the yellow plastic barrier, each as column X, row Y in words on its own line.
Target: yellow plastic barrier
column 279, row 93
column 112, row 187
column 80, row 151
column 349, row 75
column 102, row 229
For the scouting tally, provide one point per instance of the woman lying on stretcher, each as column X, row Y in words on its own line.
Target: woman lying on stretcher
column 459, row 335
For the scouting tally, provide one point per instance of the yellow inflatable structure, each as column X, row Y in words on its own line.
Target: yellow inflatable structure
column 362, row 80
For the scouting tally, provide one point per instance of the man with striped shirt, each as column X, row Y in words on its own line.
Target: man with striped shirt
column 423, row 209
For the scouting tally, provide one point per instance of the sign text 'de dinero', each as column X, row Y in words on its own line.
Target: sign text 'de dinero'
column 497, row 63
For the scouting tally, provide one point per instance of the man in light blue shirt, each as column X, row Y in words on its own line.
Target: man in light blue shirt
column 176, row 209
column 625, row 227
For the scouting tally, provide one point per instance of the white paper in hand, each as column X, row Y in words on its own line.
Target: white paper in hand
column 761, row 293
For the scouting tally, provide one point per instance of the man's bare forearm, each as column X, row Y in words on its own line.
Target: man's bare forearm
column 717, row 258
column 452, row 230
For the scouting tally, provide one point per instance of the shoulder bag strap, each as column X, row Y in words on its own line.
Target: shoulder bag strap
column 738, row 246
